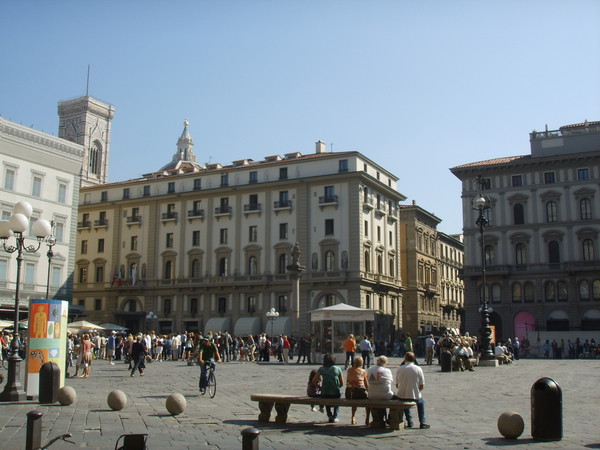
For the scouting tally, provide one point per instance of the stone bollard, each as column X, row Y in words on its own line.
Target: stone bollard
column 34, row 430
column 250, row 438
column 546, row 410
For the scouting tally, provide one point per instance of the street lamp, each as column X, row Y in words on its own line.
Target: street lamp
column 272, row 315
column 151, row 317
column 50, row 241
column 480, row 203
column 17, row 226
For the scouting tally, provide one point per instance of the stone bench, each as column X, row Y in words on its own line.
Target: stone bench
column 378, row 407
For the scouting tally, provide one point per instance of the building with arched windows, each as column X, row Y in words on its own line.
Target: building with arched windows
column 207, row 247
column 541, row 243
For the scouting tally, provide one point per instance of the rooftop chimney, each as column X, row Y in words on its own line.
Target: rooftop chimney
column 321, row 147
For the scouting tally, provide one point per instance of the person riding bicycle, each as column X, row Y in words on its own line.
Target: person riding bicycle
column 207, row 354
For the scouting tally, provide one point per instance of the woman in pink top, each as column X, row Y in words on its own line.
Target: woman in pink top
column 86, row 355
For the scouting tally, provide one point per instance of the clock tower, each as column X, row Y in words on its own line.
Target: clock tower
column 87, row 121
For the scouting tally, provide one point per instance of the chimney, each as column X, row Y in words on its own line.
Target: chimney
column 321, row 147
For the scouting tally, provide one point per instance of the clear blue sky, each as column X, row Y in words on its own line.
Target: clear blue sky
column 417, row 86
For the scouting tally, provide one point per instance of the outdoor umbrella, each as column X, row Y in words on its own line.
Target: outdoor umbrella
column 84, row 325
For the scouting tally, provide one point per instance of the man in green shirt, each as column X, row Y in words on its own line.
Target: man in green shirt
column 207, row 354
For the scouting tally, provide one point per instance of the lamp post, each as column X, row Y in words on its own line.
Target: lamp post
column 272, row 315
column 17, row 226
column 151, row 317
column 480, row 203
column 51, row 242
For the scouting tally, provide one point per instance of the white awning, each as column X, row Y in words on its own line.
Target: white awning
column 247, row 325
column 281, row 325
column 591, row 314
column 342, row 312
column 217, row 324
column 558, row 315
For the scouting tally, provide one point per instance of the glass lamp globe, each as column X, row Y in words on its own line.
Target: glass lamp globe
column 5, row 231
column 479, row 202
column 42, row 228
column 24, row 208
column 18, row 222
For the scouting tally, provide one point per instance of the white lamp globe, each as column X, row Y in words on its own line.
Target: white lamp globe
column 479, row 202
column 24, row 208
column 41, row 228
column 19, row 223
column 5, row 231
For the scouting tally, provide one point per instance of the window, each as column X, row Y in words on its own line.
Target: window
column 367, row 261
column 253, row 198
column 329, row 261
column 36, row 190
column 550, row 291
column 84, row 247
column 518, row 214
column 496, row 293
column 282, row 303
column 583, row 174
column 223, row 267
column 169, row 240
column 549, row 178
column 168, row 270
column 517, row 180
column 588, row 250
column 366, row 228
column 585, row 208
column 553, row 252
column 125, row 193
column 521, row 254
column 9, row 179
column 146, row 191
column 195, row 268
column 252, row 233
column 83, row 274
column 97, row 304
column 252, row 265
column 283, row 173
column 197, row 184
column 171, row 187
column 584, row 290
column 223, row 236
column 224, row 180
column 253, row 177
column 59, row 231
column 167, row 306
column 196, row 238
column 282, row 264
column 283, row 231
column 194, row 306
column 366, row 195
column 94, row 158
column 378, row 233
column 134, row 243
column 62, row 193
column 596, row 289
column 104, row 196
column 551, row 212
column 251, row 304
column 328, row 227
column 489, row 255
column 100, row 245
column 528, row 292
column 99, row 274
column 222, row 307
column 135, row 213
column 283, row 200
column 563, row 291
column 3, row 269
column 329, row 193
column 343, row 165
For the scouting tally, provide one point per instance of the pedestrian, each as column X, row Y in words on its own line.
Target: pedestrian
column 365, row 350
column 350, row 349
column 138, row 355
column 86, row 355
column 410, row 381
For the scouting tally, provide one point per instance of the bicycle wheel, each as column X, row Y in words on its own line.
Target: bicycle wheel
column 212, row 384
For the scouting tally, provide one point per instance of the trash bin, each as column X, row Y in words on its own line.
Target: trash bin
column 446, row 361
column 546, row 410
column 49, row 383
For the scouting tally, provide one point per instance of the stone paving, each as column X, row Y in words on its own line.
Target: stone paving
column 462, row 408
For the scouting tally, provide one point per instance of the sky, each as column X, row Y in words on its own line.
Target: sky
column 416, row 86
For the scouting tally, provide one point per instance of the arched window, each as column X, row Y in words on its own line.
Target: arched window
column 521, row 254
column 489, row 255
column 282, row 264
column 517, row 294
column 550, row 291
column 252, row 265
column 553, row 252
column 551, row 212
column 563, row 291
column 518, row 214
column 94, row 157
column 329, row 261
column 131, row 305
column 588, row 250
column 596, row 289
column 528, row 292
column 584, row 290
column 169, row 270
column 223, row 267
column 585, row 208
column 195, row 269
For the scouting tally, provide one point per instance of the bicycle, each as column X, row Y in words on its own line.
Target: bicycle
column 210, row 382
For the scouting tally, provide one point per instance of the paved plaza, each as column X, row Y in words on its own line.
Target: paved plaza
column 462, row 408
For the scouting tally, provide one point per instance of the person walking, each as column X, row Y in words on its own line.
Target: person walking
column 138, row 355
column 350, row 349
column 366, row 349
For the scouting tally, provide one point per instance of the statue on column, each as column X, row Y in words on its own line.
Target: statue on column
column 296, row 254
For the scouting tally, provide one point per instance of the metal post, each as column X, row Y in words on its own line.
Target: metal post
column 34, row 430
column 250, row 438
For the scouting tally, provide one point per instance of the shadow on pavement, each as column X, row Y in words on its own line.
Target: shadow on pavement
column 315, row 428
column 502, row 442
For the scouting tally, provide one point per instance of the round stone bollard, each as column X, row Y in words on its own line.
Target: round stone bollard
column 176, row 404
column 66, row 396
column 116, row 400
column 511, row 424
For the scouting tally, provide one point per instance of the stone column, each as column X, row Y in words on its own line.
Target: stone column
column 295, row 270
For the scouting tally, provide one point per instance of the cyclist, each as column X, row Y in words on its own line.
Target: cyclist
column 206, row 355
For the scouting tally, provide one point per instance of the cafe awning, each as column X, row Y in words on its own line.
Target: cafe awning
column 247, row 325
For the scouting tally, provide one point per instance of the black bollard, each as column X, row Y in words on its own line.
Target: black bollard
column 34, row 430
column 546, row 410
column 250, row 438
column 49, row 383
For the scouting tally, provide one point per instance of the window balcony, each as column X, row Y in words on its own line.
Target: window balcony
column 195, row 214
column 252, row 208
column 101, row 223
column 134, row 220
column 85, row 225
column 223, row 211
column 282, row 204
column 169, row 216
column 328, row 200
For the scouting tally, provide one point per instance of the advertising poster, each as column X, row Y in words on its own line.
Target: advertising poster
column 47, row 340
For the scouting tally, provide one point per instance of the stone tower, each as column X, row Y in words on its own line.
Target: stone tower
column 86, row 121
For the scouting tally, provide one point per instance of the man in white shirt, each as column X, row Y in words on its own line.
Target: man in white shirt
column 380, row 380
column 410, row 381
column 429, row 349
column 365, row 350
